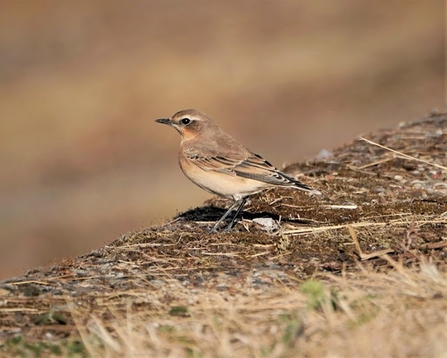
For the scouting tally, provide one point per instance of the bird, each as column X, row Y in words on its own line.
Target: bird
column 219, row 164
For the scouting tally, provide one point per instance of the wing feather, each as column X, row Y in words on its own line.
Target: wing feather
column 252, row 167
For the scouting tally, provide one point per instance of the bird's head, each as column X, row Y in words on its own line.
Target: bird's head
column 189, row 123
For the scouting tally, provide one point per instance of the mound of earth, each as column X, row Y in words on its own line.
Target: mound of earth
column 384, row 197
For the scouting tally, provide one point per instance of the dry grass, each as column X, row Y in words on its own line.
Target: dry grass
column 368, row 314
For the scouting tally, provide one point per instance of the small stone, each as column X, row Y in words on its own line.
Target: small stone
column 268, row 224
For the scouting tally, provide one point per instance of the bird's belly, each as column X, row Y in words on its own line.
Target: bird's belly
column 221, row 184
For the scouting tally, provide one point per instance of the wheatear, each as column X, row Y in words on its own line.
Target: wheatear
column 216, row 162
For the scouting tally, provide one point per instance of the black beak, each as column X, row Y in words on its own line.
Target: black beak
column 164, row 121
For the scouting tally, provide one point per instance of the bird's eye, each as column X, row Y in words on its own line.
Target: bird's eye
column 186, row 121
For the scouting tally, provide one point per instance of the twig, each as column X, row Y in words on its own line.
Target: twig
column 434, row 245
column 362, row 255
column 307, row 230
column 347, row 206
column 406, row 156
column 374, row 163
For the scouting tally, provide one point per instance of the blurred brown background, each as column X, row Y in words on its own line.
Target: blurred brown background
column 82, row 81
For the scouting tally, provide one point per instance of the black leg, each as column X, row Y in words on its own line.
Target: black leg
column 230, row 225
column 224, row 216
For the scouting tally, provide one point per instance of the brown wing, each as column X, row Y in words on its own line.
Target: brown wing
column 252, row 167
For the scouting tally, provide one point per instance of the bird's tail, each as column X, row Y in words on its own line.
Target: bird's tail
column 299, row 185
